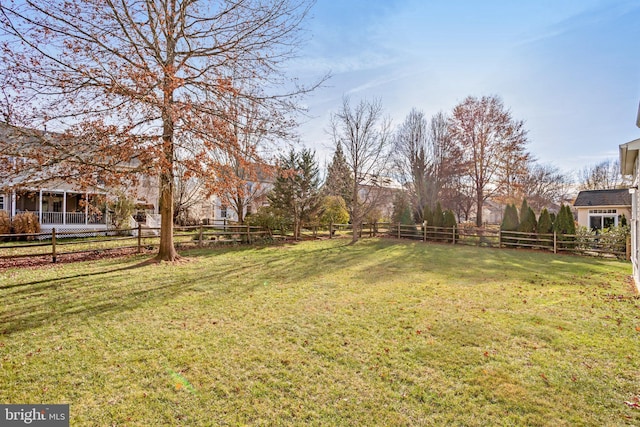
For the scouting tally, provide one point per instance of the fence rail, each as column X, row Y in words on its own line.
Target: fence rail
column 55, row 243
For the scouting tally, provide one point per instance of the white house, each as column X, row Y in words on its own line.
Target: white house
column 65, row 206
column 630, row 165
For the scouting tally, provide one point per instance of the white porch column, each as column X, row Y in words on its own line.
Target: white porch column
column 14, row 200
column 86, row 208
column 40, row 206
column 64, row 207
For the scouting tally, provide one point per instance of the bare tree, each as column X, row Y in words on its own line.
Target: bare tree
column 365, row 137
column 241, row 177
column 132, row 78
column 602, row 176
column 188, row 192
column 423, row 155
column 544, row 186
column 486, row 135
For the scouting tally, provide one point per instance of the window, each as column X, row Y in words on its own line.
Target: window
column 223, row 211
column 2, row 206
column 603, row 218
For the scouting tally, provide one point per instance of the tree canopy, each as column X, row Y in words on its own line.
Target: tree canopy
column 142, row 79
column 492, row 146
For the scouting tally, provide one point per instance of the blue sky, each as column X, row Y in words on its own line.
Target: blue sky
column 569, row 68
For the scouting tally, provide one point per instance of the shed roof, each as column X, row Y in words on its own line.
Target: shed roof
column 617, row 197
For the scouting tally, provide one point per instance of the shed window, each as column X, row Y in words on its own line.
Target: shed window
column 600, row 219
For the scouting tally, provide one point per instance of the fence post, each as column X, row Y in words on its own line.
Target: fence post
column 424, row 231
column 453, row 235
column 249, row 234
column 555, row 242
column 499, row 238
column 331, row 230
column 53, row 245
column 628, row 248
column 200, row 236
column 398, row 230
column 139, row 237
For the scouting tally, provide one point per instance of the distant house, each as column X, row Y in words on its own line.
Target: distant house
column 379, row 192
column 630, row 166
column 492, row 211
column 65, row 206
column 600, row 209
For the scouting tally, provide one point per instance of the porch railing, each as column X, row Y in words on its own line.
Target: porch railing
column 60, row 218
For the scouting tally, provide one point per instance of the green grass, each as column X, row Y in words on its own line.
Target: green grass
column 324, row 333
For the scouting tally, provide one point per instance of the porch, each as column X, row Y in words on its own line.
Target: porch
column 61, row 208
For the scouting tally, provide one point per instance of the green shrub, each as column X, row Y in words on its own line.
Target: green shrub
column 545, row 223
column 565, row 227
column 334, row 211
column 271, row 219
column 545, row 226
column 26, row 223
column 614, row 239
column 585, row 238
column 510, row 219
column 450, row 221
column 510, row 222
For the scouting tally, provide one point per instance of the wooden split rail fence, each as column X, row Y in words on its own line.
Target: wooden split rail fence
column 56, row 243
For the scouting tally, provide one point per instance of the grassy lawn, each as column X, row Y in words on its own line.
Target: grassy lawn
column 323, row 333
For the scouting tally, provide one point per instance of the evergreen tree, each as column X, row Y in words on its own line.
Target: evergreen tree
column 438, row 216
column 545, row 225
column 296, row 189
column 438, row 221
column 402, row 210
column 524, row 211
column 428, row 216
column 450, row 221
column 571, row 222
column 339, row 180
column 528, row 223
column 565, row 224
column 509, row 223
column 560, row 223
column 510, row 219
column 623, row 221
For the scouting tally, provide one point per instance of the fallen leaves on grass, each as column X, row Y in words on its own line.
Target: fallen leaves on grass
column 633, row 403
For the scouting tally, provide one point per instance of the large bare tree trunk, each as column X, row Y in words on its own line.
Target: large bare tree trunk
column 479, row 205
column 167, row 251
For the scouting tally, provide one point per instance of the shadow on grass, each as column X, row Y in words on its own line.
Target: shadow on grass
column 235, row 273
column 74, row 297
column 150, row 261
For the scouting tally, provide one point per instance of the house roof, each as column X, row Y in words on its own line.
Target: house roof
column 628, row 155
column 617, row 197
